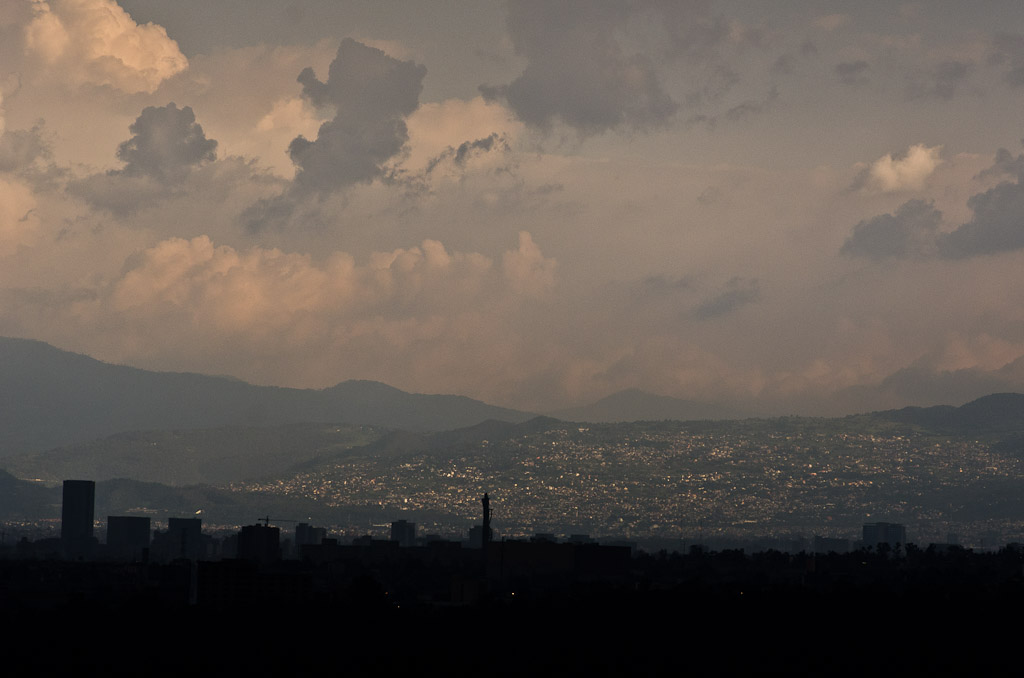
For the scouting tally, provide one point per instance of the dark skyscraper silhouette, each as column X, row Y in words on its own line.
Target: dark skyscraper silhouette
column 403, row 532
column 486, row 536
column 260, row 544
column 76, row 517
column 884, row 533
column 127, row 536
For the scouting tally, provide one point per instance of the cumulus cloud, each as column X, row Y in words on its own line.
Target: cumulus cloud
column 421, row 312
column 997, row 224
column 852, row 72
column 167, row 144
column 737, row 293
column 97, row 42
column 578, row 72
column 526, row 269
column 1004, row 164
column 906, row 171
column 911, row 231
column 371, row 94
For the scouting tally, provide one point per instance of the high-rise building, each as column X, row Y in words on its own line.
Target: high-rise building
column 403, row 532
column 884, row 533
column 259, row 543
column 127, row 537
column 183, row 539
column 307, row 535
column 76, row 518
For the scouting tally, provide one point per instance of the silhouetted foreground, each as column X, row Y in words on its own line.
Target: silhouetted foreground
column 369, row 610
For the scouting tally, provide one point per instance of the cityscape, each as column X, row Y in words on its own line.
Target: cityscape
column 511, row 337
column 773, row 483
column 684, row 481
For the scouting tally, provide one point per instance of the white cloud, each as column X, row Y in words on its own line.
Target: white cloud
column 97, row 42
column 904, row 172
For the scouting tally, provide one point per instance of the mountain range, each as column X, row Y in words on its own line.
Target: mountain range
column 51, row 398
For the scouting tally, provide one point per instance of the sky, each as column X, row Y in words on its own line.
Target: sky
column 783, row 208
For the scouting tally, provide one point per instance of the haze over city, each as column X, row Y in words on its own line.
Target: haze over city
column 801, row 207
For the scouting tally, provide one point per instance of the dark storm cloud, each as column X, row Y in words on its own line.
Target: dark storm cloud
column 941, row 81
column 910, row 231
column 166, row 144
column 737, row 293
column 371, row 93
column 578, row 72
column 997, row 225
column 853, row 72
column 1005, row 164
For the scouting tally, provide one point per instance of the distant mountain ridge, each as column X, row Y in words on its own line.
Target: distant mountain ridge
column 995, row 413
column 51, row 398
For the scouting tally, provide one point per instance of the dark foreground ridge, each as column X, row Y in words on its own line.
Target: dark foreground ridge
column 537, row 607
column 250, row 604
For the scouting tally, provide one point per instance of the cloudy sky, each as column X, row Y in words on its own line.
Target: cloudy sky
column 799, row 207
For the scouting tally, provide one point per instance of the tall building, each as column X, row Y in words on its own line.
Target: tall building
column 260, row 544
column 183, row 539
column 307, row 535
column 403, row 532
column 884, row 533
column 76, row 518
column 127, row 537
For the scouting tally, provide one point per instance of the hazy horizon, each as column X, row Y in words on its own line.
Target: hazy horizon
column 809, row 208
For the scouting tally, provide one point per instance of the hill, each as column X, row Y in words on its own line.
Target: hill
column 51, row 398
column 989, row 415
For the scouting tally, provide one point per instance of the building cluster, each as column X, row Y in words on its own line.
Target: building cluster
column 665, row 479
column 183, row 563
column 130, row 538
